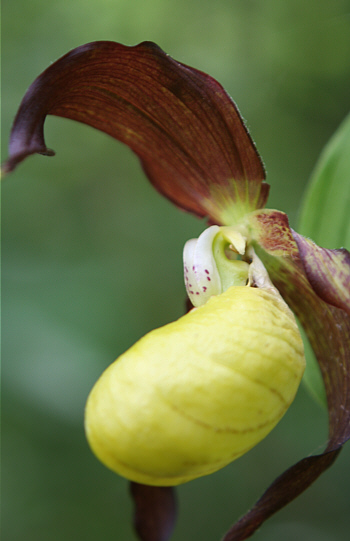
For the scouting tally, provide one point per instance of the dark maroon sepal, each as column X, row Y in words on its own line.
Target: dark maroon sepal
column 180, row 122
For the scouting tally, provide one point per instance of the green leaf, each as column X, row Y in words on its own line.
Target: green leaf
column 325, row 215
column 312, row 378
column 325, row 218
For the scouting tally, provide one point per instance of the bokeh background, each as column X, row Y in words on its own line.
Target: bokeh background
column 92, row 257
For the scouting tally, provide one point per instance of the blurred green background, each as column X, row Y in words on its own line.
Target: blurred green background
column 89, row 250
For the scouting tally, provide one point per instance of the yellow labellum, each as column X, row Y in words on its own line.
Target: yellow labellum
column 190, row 397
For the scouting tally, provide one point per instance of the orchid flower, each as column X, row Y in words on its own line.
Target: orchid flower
column 192, row 396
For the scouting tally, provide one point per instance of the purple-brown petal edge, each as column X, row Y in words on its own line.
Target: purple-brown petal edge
column 328, row 271
column 283, row 490
column 155, row 511
column 328, row 329
column 180, row 122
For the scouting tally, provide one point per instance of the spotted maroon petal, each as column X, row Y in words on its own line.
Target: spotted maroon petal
column 180, row 122
column 328, row 329
column 328, row 271
column 155, row 511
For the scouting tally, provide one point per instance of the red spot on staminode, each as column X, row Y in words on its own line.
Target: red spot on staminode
column 206, row 271
column 204, row 288
column 197, row 292
column 208, row 278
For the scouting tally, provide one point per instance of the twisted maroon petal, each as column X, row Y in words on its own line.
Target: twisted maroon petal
column 328, row 271
column 282, row 491
column 328, row 329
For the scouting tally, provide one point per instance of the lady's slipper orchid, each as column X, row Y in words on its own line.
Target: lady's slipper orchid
column 195, row 394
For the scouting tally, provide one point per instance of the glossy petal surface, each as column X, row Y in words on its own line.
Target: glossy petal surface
column 193, row 395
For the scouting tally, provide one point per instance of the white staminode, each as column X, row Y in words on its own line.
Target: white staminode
column 202, row 278
column 213, row 263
